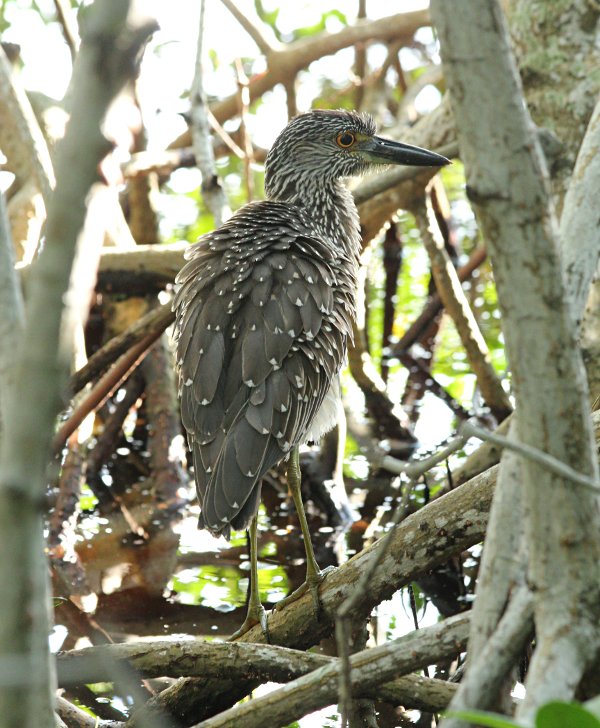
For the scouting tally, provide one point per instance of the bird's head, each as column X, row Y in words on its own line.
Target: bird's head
column 323, row 146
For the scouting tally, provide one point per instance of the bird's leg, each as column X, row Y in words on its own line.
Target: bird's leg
column 314, row 575
column 256, row 612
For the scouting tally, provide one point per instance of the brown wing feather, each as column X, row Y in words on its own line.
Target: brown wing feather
column 261, row 329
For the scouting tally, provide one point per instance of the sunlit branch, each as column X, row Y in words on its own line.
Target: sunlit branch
column 549, row 462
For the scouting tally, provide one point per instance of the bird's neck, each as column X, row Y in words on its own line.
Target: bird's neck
column 334, row 216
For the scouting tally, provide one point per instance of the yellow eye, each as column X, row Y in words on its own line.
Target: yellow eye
column 345, row 140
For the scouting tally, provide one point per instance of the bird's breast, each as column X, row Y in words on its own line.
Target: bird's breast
column 327, row 415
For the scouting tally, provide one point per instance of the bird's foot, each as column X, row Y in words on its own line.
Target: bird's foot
column 256, row 615
column 312, row 584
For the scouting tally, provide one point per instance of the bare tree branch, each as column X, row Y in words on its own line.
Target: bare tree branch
column 268, row 663
column 21, row 138
column 369, row 668
column 580, row 223
column 113, row 378
column 212, row 190
column 545, row 460
column 147, row 328
column 11, row 304
column 75, row 717
column 68, row 22
column 434, row 305
column 502, row 651
column 426, row 538
column 456, row 305
column 41, row 362
column 255, row 33
column 285, row 64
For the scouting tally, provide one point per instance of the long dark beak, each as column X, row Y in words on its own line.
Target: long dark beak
column 385, row 151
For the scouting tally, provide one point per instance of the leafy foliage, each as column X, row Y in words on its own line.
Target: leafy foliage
column 555, row 714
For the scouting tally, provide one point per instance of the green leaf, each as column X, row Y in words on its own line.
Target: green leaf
column 483, row 718
column 268, row 17
column 565, row 715
column 321, row 25
column 552, row 715
column 87, row 499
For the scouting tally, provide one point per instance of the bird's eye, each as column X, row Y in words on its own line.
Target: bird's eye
column 345, row 139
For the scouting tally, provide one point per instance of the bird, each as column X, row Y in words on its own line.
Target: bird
column 264, row 309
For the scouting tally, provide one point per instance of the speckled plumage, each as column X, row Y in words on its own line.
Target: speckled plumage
column 264, row 313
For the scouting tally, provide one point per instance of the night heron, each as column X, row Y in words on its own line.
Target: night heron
column 264, row 313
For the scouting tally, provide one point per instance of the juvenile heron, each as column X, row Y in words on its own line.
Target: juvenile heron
column 263, row 318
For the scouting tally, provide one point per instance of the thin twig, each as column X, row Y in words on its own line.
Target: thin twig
column 432, row 75
column 151, row 324
column 434, row 305
column 68, row 23
column 162, row 162
column 457, row 306
column 212, row 190
column 242, row 81
column 225, row 137
column 342, row 629
column 263, row 45
column 106, row 441
column 414, row 469
column 468, row 429
column 379, row 405
column 102, row 389
column 342, row 639
column 295, row 56
column 431, row 384
column 377, row 457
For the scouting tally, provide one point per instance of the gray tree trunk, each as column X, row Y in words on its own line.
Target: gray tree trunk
column 556, row 47
column 105, row 62
column 508, row 184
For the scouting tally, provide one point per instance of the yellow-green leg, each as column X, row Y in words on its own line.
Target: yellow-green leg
column 256, row 612
column 314, row 575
